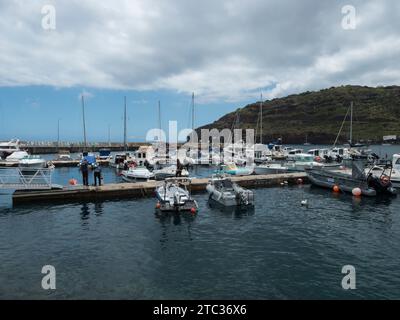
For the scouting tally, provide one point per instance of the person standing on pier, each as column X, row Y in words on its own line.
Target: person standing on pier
column 97, row 175
column 85, row 172
column 179, row 168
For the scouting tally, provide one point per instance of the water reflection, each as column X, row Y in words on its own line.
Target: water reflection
column 85, row 211
column 236, row 212
column 99, row 208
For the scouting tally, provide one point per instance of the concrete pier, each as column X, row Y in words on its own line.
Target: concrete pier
column 143, row 189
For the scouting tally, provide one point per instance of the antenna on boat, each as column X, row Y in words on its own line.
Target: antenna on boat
column 125, row 128
column 84, row 121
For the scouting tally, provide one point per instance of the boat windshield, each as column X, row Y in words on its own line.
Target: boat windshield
column 226, row 184
column 304, row 158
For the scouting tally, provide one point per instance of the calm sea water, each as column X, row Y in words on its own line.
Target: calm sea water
column 279, row 250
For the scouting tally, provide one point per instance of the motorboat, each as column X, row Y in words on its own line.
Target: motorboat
column 222, row 190
column 234, row 170
column 31, row 163
column 348, row 180
column 169, row 172
column 118, row 161
column 302, row 161
column 145, row 154
column 64, row 155
column 8, row 148
column 105, row 154
column 173, row 196
column 391, row 169
column 270, row 168
column 17, row 156
column 262, row 153
column 136, row 174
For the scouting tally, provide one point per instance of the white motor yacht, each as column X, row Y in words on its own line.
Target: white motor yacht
column 8, row 148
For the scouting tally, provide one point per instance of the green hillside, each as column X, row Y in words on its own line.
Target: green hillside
column 319, row 115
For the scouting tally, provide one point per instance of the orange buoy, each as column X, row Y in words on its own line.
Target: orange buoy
column 193, row 210
column 318, row 159
column 158, row 205
column 356, row 192
column 73, row 182
column 336, row 188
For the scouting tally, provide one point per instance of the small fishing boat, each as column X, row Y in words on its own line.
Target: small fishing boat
column 234, row 170
column 169, row 172
column 64, row 155
column 391, row 169
column 118, row 161
column 301, row 161
column 348, row 180
column 105, row 154
column 32, row 163
column 134, row 174
column 270, row 168
column 222, row 190
column 173, row 196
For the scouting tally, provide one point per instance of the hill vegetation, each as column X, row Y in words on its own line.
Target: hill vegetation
column 317, row 116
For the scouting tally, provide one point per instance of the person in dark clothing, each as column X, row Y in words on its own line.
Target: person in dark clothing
column 85, row 172
column 97, row 175
column 179, row 168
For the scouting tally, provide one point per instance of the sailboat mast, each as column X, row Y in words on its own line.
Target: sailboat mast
column 84, row 122
column 193, row 111
column 125, row 127
column 351, row 123
column 261, row 119
column 109, row 135
column 159, row 121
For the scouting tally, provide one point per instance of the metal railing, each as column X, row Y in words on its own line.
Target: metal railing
column 25, row 179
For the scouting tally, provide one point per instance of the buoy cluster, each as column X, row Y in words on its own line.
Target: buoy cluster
column 357, row 192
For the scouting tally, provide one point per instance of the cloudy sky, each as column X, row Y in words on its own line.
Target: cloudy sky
column 227, row 52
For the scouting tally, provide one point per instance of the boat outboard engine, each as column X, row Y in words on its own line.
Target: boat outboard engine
column 177, row 199
column 382, row 185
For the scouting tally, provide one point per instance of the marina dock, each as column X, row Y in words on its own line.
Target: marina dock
column 144, row 189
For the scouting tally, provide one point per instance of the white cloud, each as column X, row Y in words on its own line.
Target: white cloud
column 222, row 50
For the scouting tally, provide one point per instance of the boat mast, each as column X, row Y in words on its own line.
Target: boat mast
column 159, row 121
column 109, row 135
column 261, row 119
column 351, row 124
column 58, row 135
column 84, row 121
column 125, row 128
column 193, row 111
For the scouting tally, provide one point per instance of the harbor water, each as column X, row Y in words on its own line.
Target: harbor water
column 278, row 250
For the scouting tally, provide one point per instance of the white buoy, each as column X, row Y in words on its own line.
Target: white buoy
column 357, row 192
column 304, row 203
